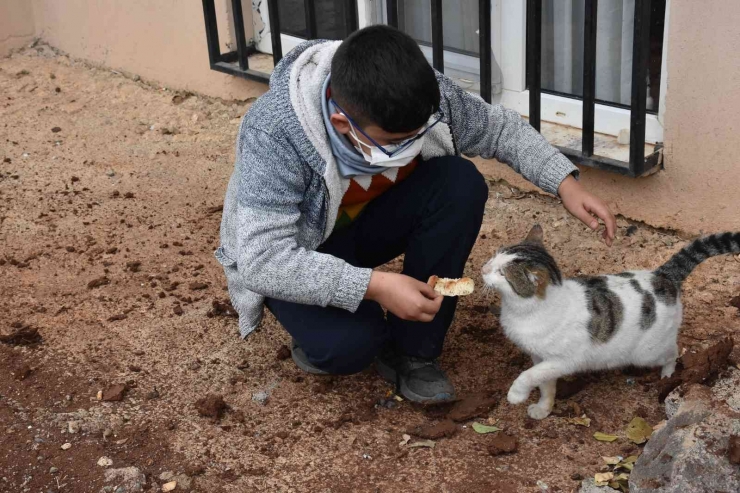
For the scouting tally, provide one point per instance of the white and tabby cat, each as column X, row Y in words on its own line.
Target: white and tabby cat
column 590, row 323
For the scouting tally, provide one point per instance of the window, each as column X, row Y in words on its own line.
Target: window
column 562, row 35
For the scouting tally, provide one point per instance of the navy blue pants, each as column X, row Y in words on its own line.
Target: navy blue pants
column 433, row 217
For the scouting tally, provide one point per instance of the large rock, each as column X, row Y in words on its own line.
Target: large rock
column 725, row 389
column 589, row 486
column 690, row 454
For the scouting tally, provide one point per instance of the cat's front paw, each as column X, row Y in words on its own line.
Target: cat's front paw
column 517, row 394
column 535, row 411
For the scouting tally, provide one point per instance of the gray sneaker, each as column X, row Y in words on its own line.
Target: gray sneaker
column 417, row 379
column 302, row 362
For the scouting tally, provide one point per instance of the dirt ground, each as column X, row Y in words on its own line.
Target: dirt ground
column 108, row 179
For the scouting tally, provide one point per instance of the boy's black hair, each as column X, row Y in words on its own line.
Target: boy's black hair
column 379, row 75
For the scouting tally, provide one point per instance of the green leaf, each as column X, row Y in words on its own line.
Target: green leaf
column 603, row 437
column 639, row 431
column 481, row 428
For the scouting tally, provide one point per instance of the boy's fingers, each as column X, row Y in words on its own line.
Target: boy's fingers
column 586, row 218
column 602, row 211
column 428, row 291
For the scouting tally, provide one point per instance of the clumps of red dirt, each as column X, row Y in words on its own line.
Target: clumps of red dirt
column 698, row 367
column 211, row 406
column 471, row 407
column 502, row 444
column 21, row 335
column 443, row 429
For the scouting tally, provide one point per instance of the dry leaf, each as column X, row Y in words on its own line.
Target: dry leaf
column 481, row 428
column 630, row 460
column 582, row 421
column 169, row 486
column 603, row 437
column 405, row 440
column 639, row 431
column 612, row 461
column 423, row 443
column 603, row 478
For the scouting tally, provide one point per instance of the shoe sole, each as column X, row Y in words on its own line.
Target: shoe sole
column 303, row 365
column 391, row 376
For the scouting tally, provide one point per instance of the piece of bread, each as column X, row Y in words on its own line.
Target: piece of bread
column 452, row 287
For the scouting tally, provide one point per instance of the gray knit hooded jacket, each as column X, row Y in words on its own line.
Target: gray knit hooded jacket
column 283, row 197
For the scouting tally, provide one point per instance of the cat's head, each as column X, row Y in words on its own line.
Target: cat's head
column 523, row 270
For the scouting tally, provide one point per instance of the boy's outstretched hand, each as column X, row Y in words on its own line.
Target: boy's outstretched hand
column 587, row 207
column 404, row 296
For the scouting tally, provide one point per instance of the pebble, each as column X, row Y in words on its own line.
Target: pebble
column 73, row 427
column 105, row 462
column 67, row 446
column 166, row 476
column 53, row 470
column 169, row 486
column 110, row 173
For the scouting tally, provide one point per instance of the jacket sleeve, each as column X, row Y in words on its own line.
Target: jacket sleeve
column 492, row 131
column 271, row 191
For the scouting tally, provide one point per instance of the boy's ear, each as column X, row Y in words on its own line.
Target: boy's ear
column 340, row 122
column 535, row 235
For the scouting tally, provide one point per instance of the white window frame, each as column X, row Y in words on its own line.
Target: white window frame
column 511, row 90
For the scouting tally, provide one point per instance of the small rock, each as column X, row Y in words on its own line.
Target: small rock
column 110, row 173
column 66, row 446
column 194, row 469
column 53, row 470
column 169, row 486
column 283, row 353
column 177, row 310
column 502, row 444
column 73, row 427
column 96, row 283
column 114, row 393
column 105, row 462
column 56, row 129
column 260, row 397
column 735, row 302
column 734, row 449
column 576, row 477
column 166, row 476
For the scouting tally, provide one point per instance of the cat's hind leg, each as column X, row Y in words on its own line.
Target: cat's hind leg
column 542, row 409
column 669, row 364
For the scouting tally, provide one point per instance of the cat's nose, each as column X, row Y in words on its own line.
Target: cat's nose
column 486, row 269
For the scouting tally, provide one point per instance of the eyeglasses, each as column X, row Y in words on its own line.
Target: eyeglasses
column 392, row 149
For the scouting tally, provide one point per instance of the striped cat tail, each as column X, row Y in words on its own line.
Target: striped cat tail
column 678, row 268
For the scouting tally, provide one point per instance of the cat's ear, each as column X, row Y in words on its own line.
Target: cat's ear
column 540, row 278
column 535, row 235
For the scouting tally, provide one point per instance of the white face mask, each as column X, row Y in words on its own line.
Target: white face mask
column 376, row 157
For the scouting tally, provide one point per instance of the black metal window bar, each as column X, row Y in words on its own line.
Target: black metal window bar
column 639, row 164
column 237, row 62
column 484, row 15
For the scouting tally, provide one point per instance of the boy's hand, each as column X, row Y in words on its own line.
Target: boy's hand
column 404, row 296
column 585, row 206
